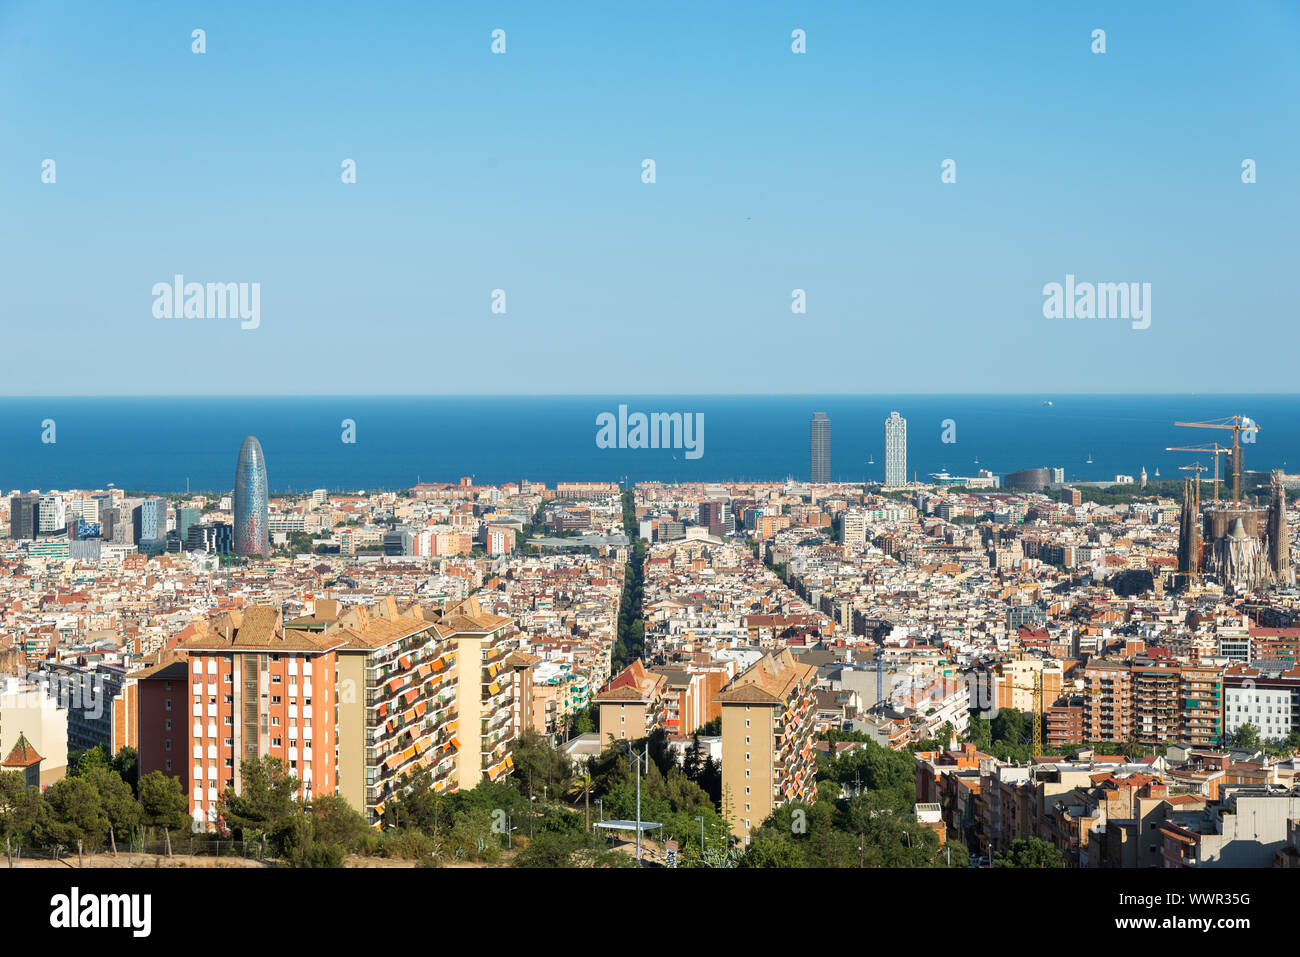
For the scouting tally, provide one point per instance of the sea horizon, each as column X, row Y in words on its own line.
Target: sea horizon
column 143, row 443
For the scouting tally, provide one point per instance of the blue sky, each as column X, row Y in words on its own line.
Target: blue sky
column 775, row 171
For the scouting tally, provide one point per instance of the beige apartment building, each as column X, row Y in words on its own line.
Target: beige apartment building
column 632, row 703
column 768, row 728
column 417, row 690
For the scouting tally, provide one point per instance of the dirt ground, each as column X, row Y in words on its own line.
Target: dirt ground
column 134, row 860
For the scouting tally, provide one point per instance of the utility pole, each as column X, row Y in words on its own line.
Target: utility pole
column 637, row 759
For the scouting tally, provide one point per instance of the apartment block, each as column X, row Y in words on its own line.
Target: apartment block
column 632, row 703
column 258, row 689
column 416, row 689
column 397, row 701
column 768, row 721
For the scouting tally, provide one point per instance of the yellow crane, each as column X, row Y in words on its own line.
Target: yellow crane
column 1237, row 424
column 1214, row 447
column 1079, row 689
column 1037, row 690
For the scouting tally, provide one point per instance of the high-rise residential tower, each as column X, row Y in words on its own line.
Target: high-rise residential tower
column 895, row 450
column 250, row 500
column 819, row 448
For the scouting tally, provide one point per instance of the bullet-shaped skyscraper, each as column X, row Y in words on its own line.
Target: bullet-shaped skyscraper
column 250, row 500
column 819, row 448
column 895, row 450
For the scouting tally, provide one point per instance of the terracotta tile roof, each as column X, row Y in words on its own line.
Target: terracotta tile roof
column 23, row 755
column 769, row 681
column 259, row 628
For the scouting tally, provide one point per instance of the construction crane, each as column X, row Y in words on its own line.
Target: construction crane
column 1195, row 490
column 1214, row 447
column 1037, row 690
column 1237, row 424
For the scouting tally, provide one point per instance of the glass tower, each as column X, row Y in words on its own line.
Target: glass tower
column 819, row 450
column 250, row 500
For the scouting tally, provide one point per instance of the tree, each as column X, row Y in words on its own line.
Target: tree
column 20, row 807
column 539, row 764
column 335, row 822
column 1029, row 852
column 1247, row 737
column 265, row 801
column 80, row 762
column 582, row 786
column 162, row 802
column 415, row 805
column 72, row 814
column 772, row 851
column 117, row 799
column 127, row 764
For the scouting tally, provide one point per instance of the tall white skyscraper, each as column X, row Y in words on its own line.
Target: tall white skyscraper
column 819, row 450
column 895, row 450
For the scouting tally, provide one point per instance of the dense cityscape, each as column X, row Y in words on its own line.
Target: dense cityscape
column 948, row 671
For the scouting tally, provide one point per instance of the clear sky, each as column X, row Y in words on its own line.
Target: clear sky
column 522, row 172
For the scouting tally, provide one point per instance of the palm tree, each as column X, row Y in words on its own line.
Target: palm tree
column 582, row 786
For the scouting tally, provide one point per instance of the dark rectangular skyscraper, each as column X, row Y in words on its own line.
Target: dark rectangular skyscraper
column 23, row 517
column 819, row 448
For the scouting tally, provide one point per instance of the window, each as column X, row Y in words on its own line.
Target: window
column 275, row 699
column 168, row 704
column 167, row 725
column 167, row 744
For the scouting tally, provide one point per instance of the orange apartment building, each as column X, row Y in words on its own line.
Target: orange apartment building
column 1154, row 701
column 349, row 699
column 768, row 728
column 256, row 689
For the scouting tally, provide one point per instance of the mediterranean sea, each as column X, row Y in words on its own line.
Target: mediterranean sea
column 169, row 444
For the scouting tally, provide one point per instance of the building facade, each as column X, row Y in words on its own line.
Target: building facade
column 819, row 449
column 768, row 728
column 250, row 505
column 895, row 450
